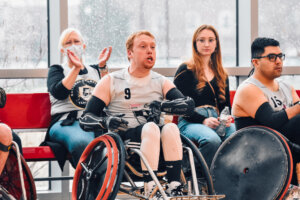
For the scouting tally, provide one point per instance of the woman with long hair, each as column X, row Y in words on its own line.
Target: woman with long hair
column 204, row 79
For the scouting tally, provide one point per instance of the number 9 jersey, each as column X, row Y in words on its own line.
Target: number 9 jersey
column 131, row 95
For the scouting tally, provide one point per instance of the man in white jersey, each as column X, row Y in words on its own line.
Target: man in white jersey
column 264, row 100
column 131, row 91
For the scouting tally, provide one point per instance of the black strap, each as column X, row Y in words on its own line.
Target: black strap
column 4, row 147
column 216, row 101
column 95, row 66
column 71, row 118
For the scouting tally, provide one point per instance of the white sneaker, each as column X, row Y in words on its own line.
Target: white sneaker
column 174, row 189
column 149, row 187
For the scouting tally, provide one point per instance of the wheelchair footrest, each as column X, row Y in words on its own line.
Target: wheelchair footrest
column 198, row 197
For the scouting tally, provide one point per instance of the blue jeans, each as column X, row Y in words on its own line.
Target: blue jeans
column 207, row 139
column 71, row 137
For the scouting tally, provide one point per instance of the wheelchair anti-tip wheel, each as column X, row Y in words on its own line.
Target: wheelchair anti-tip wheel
column 100, row 169
column 204, row 180
column 253, row 163
column 10, row 177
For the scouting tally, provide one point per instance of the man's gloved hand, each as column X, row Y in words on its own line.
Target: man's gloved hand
column 155, row 107
column 182, row 106
column 116, row 123
column 2, row 98
column 91, row 122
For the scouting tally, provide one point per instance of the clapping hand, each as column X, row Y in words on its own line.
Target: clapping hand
column 74, row 60
column 104, row 56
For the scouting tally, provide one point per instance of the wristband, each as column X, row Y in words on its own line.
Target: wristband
column 4, row 148
column 103, row 69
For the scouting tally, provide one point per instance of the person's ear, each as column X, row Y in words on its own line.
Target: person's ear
column 84, row 46
column 254, row 62
column 62, row 51
column 129, row 53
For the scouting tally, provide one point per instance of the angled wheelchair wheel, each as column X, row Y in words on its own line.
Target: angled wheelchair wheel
column 121, row 165
column 10, row 177
column 100, row 169
column 253, row 163
column 204, row 180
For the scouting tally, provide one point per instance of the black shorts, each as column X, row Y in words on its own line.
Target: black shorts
column 133, row 134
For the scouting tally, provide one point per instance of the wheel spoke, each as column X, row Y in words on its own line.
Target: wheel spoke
column 84, row 167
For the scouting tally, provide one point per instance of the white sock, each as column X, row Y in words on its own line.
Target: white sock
column 149, row 187
column 173, row 185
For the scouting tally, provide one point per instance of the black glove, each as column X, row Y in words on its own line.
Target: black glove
column 91, row 122
column 155, row 107
column 2, row 98
column 182, row 106
column 116, row 123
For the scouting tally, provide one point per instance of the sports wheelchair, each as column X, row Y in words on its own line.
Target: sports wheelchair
column 254, row 163
column 16, row 181
column 109, row 166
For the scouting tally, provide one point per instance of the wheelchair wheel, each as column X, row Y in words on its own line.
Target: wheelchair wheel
column 253, row 163
column 100, row 169
column 205, row 183
column 10, row 177
column 121, row 165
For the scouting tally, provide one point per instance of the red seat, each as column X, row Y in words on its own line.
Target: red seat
column 26, row 111
column 38, row 153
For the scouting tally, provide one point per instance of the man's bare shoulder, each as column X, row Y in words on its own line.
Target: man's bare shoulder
column 246, row 90
column 247, row 99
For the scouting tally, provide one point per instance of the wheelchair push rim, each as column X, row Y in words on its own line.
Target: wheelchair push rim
column 97, row 173
column 200, row 164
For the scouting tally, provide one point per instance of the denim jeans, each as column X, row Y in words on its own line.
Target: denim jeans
column 72, row 137
column 207, row 139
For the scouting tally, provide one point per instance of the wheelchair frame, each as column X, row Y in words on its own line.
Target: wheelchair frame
column 113, row 180
column 12, row 188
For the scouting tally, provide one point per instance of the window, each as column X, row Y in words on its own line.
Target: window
column 173, row 22
column 279, row 19
column 23, row 41
column 23, row 34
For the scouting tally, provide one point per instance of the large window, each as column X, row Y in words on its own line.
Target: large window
column 23, row 41
column 23, row 34
column 173, row 22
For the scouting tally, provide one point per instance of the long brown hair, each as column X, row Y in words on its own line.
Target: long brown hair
column 196, row 62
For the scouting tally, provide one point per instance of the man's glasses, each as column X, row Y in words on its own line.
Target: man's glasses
column 273, row 57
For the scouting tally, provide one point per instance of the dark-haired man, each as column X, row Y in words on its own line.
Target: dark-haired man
column 264, row 100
